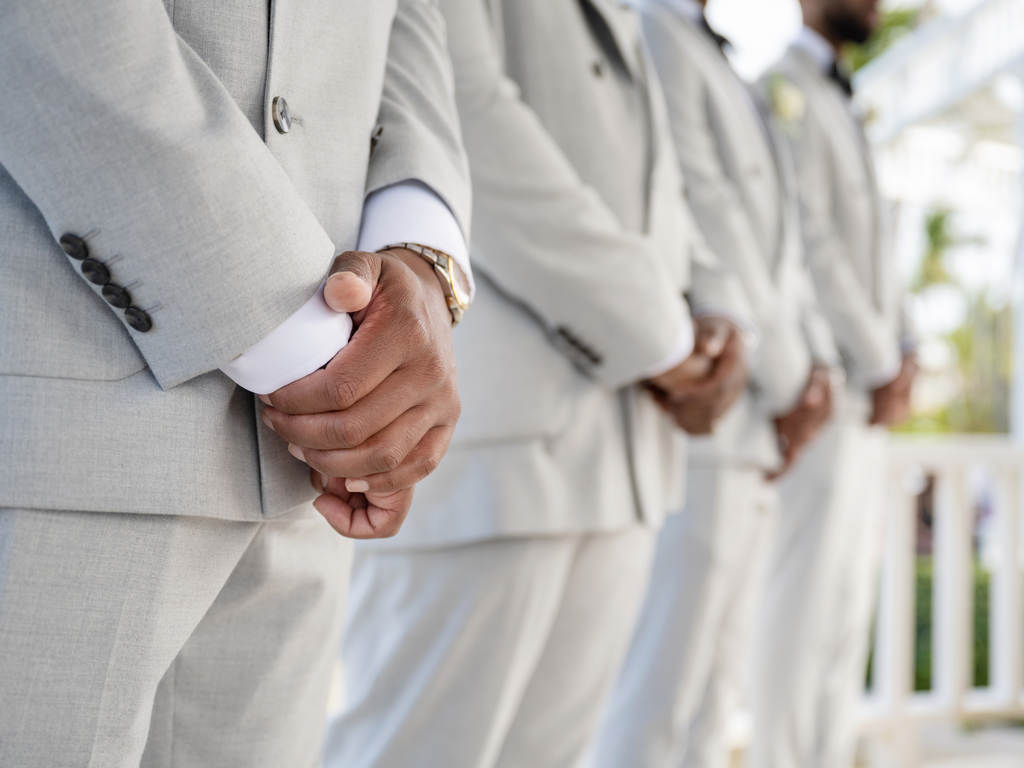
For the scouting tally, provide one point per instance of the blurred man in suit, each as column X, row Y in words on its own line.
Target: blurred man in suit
column 175, row 179
column 815, row 613
column 670, row 704
column 488, row 632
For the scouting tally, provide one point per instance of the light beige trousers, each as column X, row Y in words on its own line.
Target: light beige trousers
column 498, row 653
column 671, row 702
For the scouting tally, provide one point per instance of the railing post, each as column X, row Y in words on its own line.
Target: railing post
column 952, row 590
column 1006, row 606
column 894, row 641
column 894, row 634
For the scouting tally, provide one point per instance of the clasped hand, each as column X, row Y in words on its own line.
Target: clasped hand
column 378, row 418
column 891, row 402
column 797, row 428
column 701, row 389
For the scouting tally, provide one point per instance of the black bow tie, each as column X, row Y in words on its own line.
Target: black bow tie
column 720, row 40
column 838, row 76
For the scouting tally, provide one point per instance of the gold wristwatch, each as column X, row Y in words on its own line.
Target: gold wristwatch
column 453, row 281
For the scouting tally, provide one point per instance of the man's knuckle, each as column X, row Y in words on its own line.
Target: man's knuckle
column 429, row 463
column 385, row 458
column 349, row 432
column 436, row 371
column 344, row 392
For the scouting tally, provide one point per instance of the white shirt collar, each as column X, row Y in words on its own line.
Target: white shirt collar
column 815, row 46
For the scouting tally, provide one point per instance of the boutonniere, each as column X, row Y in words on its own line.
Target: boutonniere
column 788, row 101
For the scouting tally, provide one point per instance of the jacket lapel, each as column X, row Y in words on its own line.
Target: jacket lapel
column 621, row 26
column 843, row 119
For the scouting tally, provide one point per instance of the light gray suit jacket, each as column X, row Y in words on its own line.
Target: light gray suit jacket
column 582, row 251
column 146, row 127
column 843, row 231
column 741, row 191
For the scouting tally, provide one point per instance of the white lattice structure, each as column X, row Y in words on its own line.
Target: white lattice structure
column 942, row 65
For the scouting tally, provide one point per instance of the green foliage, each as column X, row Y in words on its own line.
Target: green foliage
column 940, row 238
column 983, row 344
column 895, row 23
column 984, row 348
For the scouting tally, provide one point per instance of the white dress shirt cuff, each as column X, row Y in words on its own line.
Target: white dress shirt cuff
column 682, row 350
column 749, row 333
column 883, row 376
column 307, row 340
column 314, row 334
column 411, row 212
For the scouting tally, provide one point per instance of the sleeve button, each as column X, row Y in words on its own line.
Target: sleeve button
column 138, row 319
column 95, row 272
column 117, row 296
column 74, row 246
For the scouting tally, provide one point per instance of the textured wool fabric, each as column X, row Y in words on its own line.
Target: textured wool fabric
column 211, row 640
column 147, row 131
column 493, row 654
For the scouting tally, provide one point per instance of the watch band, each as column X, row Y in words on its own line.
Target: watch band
column 445, row 269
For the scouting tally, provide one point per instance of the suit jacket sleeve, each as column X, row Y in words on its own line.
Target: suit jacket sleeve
column 122, row 132
column 781, row 362
column 419, row 126
column 543, row 236
column 864, row 338
column 815, row 327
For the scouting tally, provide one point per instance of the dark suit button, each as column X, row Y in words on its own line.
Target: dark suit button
column 74, row 246
column 597, row 68
column 117, row 296
column 95, row 272
column 138, row 319
column 282, row 117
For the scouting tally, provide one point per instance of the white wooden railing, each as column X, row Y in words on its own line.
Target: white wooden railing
column 962, row 468
column 894, row 715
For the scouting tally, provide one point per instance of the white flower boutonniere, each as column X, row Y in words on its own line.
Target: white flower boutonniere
column 788, row 101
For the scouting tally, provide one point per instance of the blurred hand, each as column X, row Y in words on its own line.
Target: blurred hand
column 710, row 337
column 696, row 405
column 379, row 416
column 891, row 402
column 796, row 429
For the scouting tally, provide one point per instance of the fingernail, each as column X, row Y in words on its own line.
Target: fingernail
column 323, row 481
column 295, row 451
column 357, row 486
column 265, row 399
column 265, row 418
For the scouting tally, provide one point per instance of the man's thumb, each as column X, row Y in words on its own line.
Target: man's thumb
column 352, row 281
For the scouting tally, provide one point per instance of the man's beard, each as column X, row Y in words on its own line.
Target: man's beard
column 847, row 26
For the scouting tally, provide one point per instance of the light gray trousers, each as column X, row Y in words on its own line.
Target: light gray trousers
column 170, row 642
